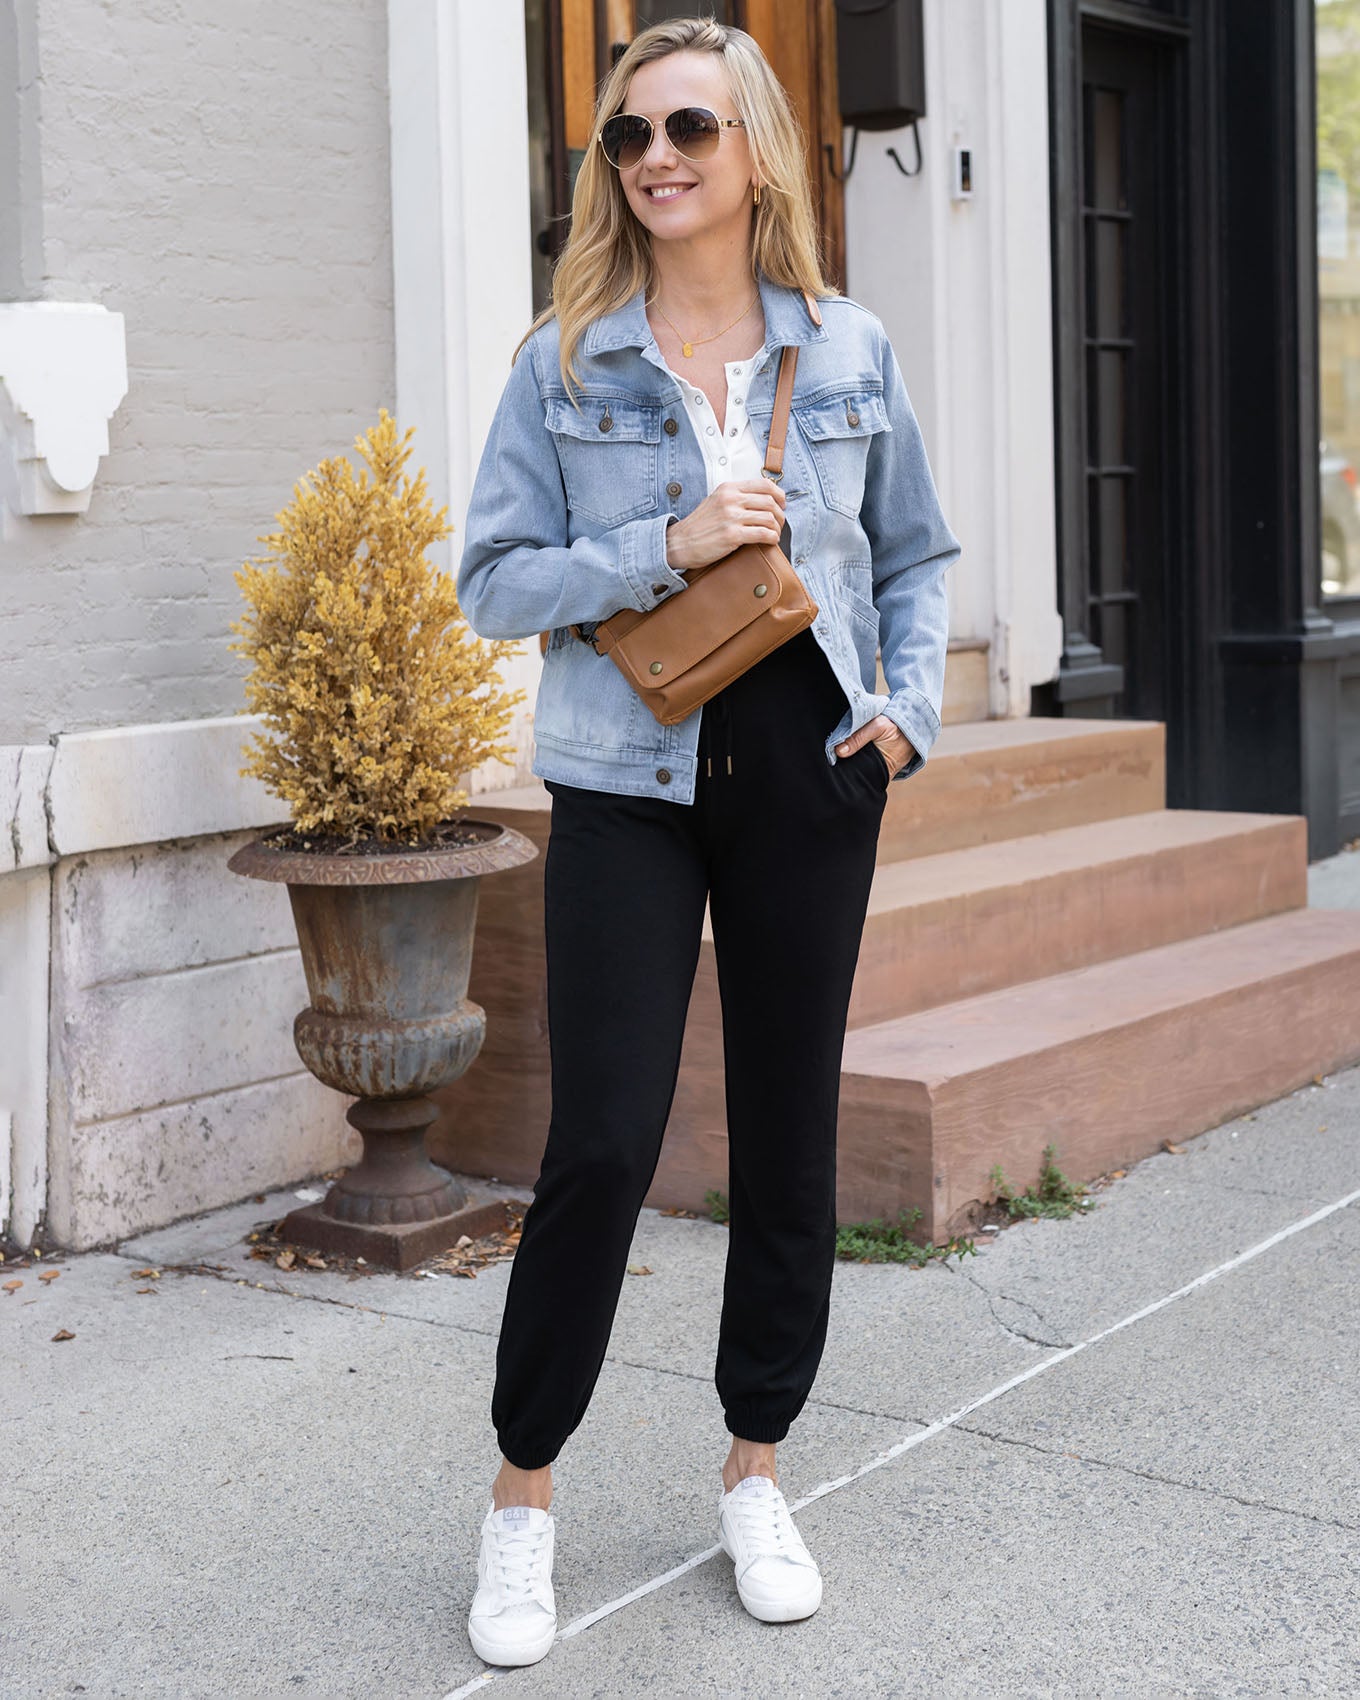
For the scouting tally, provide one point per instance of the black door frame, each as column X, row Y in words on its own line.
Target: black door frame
column 1269, row 718
column 1088, row 682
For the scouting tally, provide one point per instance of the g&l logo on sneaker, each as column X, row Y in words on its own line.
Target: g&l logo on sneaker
column 515, row 1514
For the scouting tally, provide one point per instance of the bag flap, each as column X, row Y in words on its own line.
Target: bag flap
column 719, row 601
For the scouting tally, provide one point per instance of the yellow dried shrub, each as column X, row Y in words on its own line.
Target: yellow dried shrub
column 376, row 695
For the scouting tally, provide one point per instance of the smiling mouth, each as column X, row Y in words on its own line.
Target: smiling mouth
column 667, row 191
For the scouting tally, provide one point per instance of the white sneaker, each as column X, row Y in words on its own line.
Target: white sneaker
column 514, row 1616
column 777, row 1577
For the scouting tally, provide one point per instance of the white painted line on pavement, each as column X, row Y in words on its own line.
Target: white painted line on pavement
column 578, row 1624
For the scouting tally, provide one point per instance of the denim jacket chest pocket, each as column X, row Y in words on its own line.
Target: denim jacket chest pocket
column 838, row 429
column 609, row 453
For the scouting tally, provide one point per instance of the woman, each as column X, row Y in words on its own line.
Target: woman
column 626, row 451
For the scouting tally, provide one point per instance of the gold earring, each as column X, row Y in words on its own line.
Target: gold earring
column 757, row 199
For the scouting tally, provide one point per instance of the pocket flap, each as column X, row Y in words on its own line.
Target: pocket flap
column 604, row 419
column 856, row 414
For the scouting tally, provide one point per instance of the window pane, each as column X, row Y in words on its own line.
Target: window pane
column 1107, row 407
column 1105, row 164
column 1109, row 534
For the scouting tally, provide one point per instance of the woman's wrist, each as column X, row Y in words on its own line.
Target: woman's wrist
column 675, row 544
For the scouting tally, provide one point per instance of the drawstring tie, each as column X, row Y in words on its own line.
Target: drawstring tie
column 718, row 721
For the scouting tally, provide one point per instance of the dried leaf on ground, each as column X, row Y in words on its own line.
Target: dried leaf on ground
column 49, row 1274
column 63, row 1334
column 13, row 1286
column 1171, row 1146
column 146, row 1274
column 638, row 1269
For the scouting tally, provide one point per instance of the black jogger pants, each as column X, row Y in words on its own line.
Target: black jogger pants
column 782, row 846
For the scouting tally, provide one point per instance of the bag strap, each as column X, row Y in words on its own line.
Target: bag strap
column 779, row 420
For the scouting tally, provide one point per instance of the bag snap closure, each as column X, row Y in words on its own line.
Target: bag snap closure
column 762, row 590
column 655, row 667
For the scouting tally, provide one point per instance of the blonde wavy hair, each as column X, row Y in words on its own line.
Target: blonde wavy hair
column 608, row 256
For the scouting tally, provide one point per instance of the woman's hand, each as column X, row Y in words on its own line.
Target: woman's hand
column 897, row 747
column 746, row 510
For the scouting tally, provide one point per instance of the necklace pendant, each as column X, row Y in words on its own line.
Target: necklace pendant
column 687, row 349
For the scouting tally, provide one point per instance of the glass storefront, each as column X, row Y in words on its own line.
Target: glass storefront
column 1338, row 227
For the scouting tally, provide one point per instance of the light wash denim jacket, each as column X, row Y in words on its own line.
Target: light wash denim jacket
column 570, row 508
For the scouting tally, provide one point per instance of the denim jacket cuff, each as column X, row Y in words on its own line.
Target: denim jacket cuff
column 649, row 576
column 914, row 715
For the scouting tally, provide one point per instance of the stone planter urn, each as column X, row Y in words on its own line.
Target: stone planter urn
column 386, row 942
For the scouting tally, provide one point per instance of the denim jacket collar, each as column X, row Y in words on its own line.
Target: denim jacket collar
column 787, row 322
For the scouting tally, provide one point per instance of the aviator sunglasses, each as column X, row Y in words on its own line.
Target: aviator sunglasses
column 693, row 131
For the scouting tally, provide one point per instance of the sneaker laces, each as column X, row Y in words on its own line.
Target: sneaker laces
column 766, row 1526
column 518, row 1556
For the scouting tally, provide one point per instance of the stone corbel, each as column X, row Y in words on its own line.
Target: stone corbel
column 63, row 372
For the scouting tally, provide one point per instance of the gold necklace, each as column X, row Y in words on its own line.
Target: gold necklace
column 689, row 344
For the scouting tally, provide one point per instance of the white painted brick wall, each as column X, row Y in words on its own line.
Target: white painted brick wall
column 218, row 174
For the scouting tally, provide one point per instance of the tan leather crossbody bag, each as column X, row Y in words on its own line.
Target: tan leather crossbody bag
column 731, row 614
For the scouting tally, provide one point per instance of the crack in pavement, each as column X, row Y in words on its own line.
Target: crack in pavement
column 1153, row 1476
column 1008, row 1327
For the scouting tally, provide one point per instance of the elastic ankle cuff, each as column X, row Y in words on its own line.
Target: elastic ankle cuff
column 752, row 1425
column 528, row 1460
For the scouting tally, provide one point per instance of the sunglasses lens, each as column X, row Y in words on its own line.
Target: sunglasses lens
column 693, row 132
column 625, row 139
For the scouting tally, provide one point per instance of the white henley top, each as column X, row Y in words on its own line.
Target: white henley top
column 729, row 445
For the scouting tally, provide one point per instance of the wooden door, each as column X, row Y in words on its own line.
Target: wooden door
column 572, row 44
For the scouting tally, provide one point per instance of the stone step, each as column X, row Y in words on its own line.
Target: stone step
column 967, row 921
column 1102, row 1062
column 940, row 929
column 991, row 780
column 986, row 781
column 1091, row 864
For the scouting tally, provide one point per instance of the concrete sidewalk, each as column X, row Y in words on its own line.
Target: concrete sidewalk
column 1057, row 1472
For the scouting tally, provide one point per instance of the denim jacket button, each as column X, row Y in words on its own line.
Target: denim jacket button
column 673, row 489
column 671, row 427
column 663, row 774
column 660, row 589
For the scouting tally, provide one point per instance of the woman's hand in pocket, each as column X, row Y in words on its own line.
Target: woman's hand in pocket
column 898, row 749
column 745, row 510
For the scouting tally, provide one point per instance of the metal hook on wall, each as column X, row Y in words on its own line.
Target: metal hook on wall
column 896, row 158
column 842, row 176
